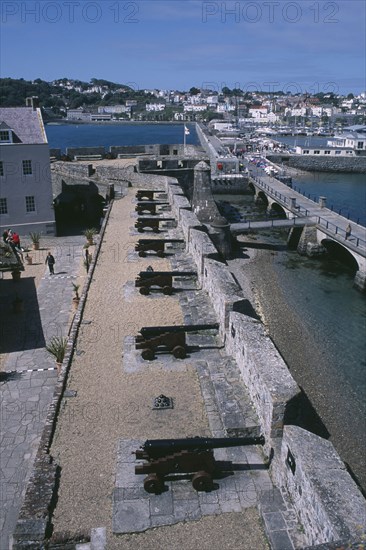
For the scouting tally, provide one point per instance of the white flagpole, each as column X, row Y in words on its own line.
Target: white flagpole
column 184, row 139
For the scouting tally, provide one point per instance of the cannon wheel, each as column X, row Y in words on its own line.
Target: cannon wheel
column 148, row 354
column 140, row 230
column 153, row 484
column 167, row 290
column 179, row 352
column 144, row 290
column 142, row 254
column 202, row 481
column 160, row 253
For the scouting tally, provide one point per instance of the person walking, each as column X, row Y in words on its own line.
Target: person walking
column 50, row 261
column 348, row 231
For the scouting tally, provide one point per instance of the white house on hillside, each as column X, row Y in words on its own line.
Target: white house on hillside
column 25, row 174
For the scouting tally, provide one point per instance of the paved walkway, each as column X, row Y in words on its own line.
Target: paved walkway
column 26, row 386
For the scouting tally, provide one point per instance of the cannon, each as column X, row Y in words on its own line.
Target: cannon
column 171, row 339
column 185, row 456
column 157, row 245
column 162, row 279
column 150, row 206
column 147, row 194
column 153, row 223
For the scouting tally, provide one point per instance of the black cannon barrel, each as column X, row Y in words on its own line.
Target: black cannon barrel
column 151, row 274
column 151, row 241
column 151, row 331
column 154, row 219
column 156, row 448
column 158, row 203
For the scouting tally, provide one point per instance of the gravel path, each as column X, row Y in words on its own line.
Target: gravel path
column 112, row 404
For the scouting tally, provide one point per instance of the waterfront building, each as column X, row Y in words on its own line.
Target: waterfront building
column 25, row 173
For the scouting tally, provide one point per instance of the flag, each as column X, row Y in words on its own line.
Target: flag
column 186, row 131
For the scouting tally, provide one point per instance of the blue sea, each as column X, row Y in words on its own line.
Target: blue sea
column 61, row 136
column 320, row 291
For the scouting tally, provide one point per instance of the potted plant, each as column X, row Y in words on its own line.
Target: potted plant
column 76, row 298
column 35, row 238
column 57, row 348
column 17, row 304
column 89, row 234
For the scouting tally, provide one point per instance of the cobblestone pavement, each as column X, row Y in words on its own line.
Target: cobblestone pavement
column 28, row 380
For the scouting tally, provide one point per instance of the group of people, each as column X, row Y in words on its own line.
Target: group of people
column 12, row 238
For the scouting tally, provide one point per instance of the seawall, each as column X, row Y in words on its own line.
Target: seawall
column 313, row 163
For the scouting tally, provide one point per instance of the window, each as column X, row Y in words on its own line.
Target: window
column 3, row 206
column 305, row 152
column 4, row 136
column 326, row 152
column 316, row 152
column 1, row 168
column 338, row 152
column 27, row 167
column 30, row 204
column 360, row 145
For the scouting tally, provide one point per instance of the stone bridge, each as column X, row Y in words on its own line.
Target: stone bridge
column 329, row 228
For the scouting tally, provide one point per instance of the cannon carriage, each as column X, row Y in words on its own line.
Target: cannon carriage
column 163, row 279
column 169, row 339
column 193, row 456
column 153, row 223
column 153, row 207
column 156, row 245
column 148, row 194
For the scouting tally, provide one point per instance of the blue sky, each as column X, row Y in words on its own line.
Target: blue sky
column 300, row 45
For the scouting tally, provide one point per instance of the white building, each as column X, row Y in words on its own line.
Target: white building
column 258, row 112
column 194, row 108
column 155, row 106
column 114, row 109
column 77, row 114
column 25, row 174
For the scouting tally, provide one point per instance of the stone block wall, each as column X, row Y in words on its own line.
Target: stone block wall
column 313, row 163
column 224, row 292
column 327, row 500
column 200, row 246
column 187, row 221
column 264, row 372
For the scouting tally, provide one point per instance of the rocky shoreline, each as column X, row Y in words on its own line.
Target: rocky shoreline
column 306, row 361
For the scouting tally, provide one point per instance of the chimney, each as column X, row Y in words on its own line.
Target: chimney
column 32, row 102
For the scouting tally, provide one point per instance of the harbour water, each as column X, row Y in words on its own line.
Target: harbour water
column 328, row 358
column 61, row 136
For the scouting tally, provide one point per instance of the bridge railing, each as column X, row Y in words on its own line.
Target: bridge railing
column 335, row 229
column 331, row 227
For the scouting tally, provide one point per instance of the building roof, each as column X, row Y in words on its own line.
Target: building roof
column 25, row 122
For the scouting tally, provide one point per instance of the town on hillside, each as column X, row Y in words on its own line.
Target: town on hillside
column 104, row 101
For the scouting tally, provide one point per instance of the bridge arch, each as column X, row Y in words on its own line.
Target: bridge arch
column 276, row 209
column 341, row 253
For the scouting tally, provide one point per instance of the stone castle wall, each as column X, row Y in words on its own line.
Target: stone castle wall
column 304, row 466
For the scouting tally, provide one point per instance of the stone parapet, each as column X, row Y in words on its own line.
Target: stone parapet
column 187, row 221
column 327, row 500
column 270, row 384
column 224, row 292
column 200, row 246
